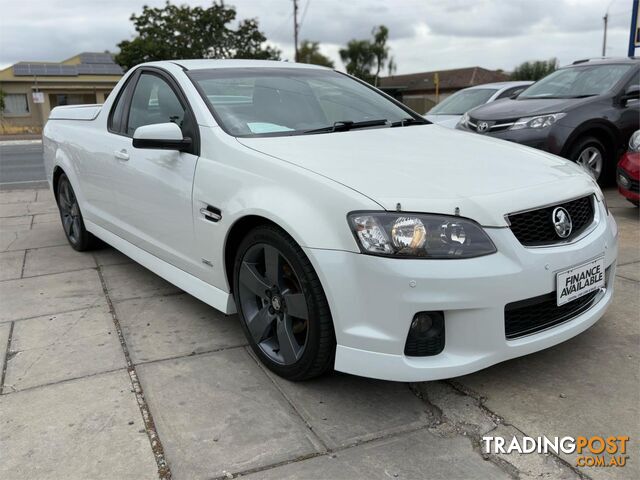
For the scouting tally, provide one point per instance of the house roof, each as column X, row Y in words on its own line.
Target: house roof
column 449, row 79
column 86, row 64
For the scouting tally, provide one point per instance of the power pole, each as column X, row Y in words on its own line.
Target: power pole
column 604, row 40
column 295, row 28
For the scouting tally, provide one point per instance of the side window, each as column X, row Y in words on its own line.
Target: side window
column 116, row 118
column 154, row 101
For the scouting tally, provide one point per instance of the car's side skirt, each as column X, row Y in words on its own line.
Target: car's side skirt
column 209, row 294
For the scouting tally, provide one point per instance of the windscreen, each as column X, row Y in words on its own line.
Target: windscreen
column 463, row 101
column 289, row 101
column 573, row 82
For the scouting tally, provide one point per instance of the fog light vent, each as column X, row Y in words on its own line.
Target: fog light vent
column 426, row 335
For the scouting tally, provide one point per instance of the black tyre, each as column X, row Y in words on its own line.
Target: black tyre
column 72, row 223
column 282, row 307
column 591, row 154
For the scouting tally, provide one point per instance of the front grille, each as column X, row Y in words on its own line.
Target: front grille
column 632, row 185
column 539, row 313
column 535, row 227
column 493, row 126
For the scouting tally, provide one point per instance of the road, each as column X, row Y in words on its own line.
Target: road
column 21, row 165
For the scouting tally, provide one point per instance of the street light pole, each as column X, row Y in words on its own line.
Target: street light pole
column 295, row 28
column 604, row 40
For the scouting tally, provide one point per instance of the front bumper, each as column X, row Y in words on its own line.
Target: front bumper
column 374, row 299
column 550, row 139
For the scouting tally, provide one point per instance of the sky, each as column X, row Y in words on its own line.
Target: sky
column 424, row 34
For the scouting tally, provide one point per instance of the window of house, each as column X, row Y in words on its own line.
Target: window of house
column 16, row 104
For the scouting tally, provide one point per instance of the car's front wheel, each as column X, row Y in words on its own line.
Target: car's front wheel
column 71, row 216
column 590, row 154
column 282, row 306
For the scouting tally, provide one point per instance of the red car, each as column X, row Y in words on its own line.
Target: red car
column 628, row 176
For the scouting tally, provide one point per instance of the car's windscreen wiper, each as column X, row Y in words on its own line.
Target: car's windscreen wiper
column 410, row 121
column 344, row 125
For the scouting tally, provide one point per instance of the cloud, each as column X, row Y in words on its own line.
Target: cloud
column 424, row 34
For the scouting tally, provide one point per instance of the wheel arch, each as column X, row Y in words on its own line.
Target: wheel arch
column 236, row 233
column 604, row 131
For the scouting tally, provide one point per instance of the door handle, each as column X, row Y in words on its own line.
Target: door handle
column 121, row 154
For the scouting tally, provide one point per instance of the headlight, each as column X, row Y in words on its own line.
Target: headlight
column 419, row 235
column 540, row 121
column 634, row 142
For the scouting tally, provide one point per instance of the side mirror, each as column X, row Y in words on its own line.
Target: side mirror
column 631, row 93
column 163, row 136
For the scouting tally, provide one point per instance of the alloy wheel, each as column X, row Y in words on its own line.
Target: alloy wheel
column 592, row 161
column 273, row 304
column 70, row 212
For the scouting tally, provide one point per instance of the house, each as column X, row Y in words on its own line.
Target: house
column 31, row 89
column 418, row 90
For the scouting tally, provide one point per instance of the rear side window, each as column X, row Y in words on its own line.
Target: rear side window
column 116, row 117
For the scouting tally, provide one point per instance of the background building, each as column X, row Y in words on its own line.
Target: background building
column 418, row 90
column 32, row 89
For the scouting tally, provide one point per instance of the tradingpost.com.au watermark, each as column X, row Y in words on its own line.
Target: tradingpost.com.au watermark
column 594, row 451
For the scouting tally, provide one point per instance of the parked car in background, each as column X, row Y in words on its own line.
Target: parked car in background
column 628, row 176
column 344, row 229
column 449, row 111
column 585, row 112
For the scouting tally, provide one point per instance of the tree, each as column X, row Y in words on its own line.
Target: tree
column 365, row 59
column 192, row 32
column 534, row 70
column 309, row 52
column 358, row 58
column 380, row 49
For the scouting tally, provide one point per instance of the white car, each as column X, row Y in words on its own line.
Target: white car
column 449, row 111
column 344, row 230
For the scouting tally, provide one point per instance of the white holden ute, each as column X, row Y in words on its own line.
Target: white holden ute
column 344, row 229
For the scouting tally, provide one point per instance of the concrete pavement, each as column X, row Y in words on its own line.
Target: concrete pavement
column 110, row 372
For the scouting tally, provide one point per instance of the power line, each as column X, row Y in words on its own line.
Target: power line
column 304, row 13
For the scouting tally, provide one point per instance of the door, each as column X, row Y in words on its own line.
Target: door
column 155, row 186
column 100, row 168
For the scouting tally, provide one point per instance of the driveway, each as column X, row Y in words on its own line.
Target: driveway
column 110, row 372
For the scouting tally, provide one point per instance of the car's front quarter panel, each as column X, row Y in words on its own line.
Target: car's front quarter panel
column 374, row 299
column 242, row 182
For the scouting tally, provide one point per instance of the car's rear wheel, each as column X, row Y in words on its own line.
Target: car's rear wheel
column 282, row 306
column 71, row 216
column 590, row 154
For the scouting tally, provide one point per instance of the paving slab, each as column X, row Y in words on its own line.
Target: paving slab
column 589, row 385
column 45, row 195
column 16, row 223
column 110, row 256
column 31, row 208
column 419, row 454
column 61, row 347
column 630, row 271
column 43, row 261
column 219, row 412
column 11, row 264
column 50, row 294
column 134, row 281
column 628, row 240
column 42, row 235
column 46, row 218
column 75, row 430
column 165, row 327
column 18, row 196
column 345, row 409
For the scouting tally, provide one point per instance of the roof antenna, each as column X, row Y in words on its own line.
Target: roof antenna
column 398, row 207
